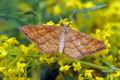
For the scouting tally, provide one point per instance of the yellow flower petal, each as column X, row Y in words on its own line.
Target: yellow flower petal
column 89, row 4
column 56, row 10
column 99, row 78
column 64, row 68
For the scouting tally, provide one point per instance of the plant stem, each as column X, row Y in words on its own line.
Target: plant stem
column 64, row 78
column 95, row 66
column 36, row 71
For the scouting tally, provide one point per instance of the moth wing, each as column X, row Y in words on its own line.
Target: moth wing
column 78, row 44
column 45, row 36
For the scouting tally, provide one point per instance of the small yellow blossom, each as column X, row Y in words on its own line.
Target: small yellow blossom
column 24, row 49
column 96, row 61
column 61, row 62
column 99, row 78
column 69, row 4
column 3, row 37
column 12, row 41
column 22, row 78
column 88, row 73
column 20, row 67
column 50, row 60
column 64, row 68
column 109, row 58
column 42, row 60
column 11, row 71
column 74, row 4
column 1, row 49
column 6, row 45
column 3, row 52
column 119, row 52
column 89, row 4
column 33, row 47
column 76, row 66
column 47, row 59
column 56, row 10
column 117, row 74
column 80, row 77
column 50, row 23
column 103, row 35
column 59, row 77
column 24, row 7
column 114, row 9
column 2, row 69
column 114, row 75
column 65, row 21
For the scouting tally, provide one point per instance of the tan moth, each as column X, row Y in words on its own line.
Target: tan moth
column 51, row 39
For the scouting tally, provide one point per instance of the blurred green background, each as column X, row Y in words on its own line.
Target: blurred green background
column 15, row 13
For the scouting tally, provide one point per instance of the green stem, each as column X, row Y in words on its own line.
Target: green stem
column 105, row 62
column 96, row 66
column 113, row 68
column 36, row 71
column 64, row 78
column 11, row 63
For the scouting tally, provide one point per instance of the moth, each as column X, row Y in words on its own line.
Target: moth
column 62, row 39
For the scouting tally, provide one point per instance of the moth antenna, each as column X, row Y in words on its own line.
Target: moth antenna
column 73, row 13
column 60, row 18
column 90, row 9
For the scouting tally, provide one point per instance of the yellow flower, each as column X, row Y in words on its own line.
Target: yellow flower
column 50, row 23
column 64, row 68
column 59, row 77
column 42, row 60
column 3, row 53
column 3, row 37
column 76, row 66
column 74, row 4
column 96, row 61
column 119, row 52
column 2, row 69
column 70, row 4
column 109, row 58
column 89, row 4
column 115, row 7
column 6, row 45
column 114, row 75
column 24, row 49
column 88, row 73
column 24, row 7
column 80, row 77
column 47, row 59
column 50, row 60
column 99, row 78
column 11, row 71
column 12, row 41
column 20, row 67
column 61, row 62
column 56, row 10
column 104, row 34
column 22, row 78
column 65, row 21
column 117, row 74
column 33, row 47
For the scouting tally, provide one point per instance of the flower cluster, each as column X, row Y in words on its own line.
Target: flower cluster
column 15, row 58
column 56, row 7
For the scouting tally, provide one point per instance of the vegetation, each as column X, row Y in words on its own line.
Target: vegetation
column 22, row 60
